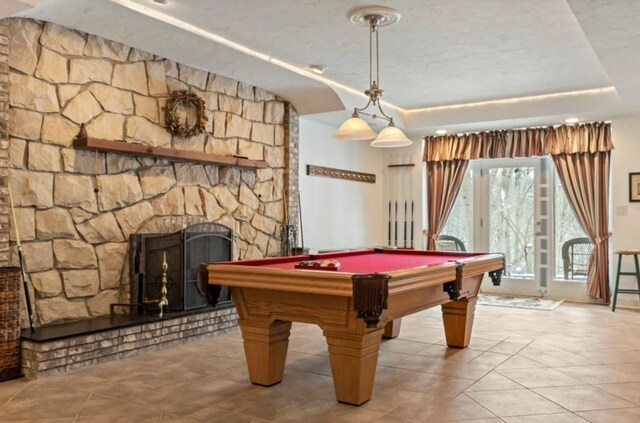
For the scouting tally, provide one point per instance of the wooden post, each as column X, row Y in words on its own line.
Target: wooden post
column 353, row 364
column 392, row 328
column 457, row 317
column 265, row 347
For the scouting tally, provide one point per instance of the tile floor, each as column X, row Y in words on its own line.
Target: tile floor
column 578, row 363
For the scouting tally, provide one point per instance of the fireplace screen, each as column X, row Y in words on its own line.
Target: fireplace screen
column 185, row 251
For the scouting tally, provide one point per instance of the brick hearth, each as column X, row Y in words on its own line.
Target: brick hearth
column 50, row 351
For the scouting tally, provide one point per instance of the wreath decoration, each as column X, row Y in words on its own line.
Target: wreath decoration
column 179, row 125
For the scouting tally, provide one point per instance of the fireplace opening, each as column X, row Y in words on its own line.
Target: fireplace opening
column 185, row 251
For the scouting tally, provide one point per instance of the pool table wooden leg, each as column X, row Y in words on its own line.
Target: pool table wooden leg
column 458, row 321
column 265, row 346
column 392, row 328
column 353, row 364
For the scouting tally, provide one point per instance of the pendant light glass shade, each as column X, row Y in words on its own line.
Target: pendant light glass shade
column 354, row 129
column 391, row 137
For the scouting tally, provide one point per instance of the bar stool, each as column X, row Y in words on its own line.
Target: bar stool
column 620, row 254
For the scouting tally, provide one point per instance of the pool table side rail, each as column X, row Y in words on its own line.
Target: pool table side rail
column 483, row 264
column 322, row 282
column 397, row 251
column 290, row 280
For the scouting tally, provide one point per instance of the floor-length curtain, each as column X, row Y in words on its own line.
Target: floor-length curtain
column 444, row 179
column 585, row 178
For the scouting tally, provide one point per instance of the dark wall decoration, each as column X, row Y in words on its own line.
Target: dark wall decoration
column 349, row 175
column 184, row 114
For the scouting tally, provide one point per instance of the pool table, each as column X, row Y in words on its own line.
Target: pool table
column 355, row 306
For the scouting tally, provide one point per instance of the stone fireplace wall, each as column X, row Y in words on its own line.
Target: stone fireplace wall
column 75, row 239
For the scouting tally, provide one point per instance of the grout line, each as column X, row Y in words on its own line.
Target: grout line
column 402, row 404
column 482, row 406
column 82, row 408
column 515, row 381
column 163, row 414
column 637, row 404
column 139, row 404
column 14, row 395
column 634, row 405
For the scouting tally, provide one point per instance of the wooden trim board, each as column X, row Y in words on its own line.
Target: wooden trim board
column 349, row 175
column 166, row 153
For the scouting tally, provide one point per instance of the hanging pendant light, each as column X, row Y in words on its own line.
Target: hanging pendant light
column 355, row 128
column 391, row 137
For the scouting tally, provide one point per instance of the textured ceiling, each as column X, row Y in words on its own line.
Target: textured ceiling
column 442, row 52
column 436, row 54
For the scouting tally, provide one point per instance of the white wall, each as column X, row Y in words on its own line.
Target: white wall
column 625, row 216
column 339, row 213
column 413, row 180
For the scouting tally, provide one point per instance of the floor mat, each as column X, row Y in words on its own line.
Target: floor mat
column 518, row 302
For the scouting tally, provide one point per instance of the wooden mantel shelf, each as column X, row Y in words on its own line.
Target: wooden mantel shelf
column 165, row 153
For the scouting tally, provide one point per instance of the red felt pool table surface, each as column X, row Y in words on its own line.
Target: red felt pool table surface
column 368, row 261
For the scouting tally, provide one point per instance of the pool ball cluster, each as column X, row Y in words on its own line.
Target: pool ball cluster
column 319, row 264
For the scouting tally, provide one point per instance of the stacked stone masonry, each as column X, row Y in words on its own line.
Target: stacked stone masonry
column 75, row 239
column 59, row 356
column 4, row 142
column 292, row 153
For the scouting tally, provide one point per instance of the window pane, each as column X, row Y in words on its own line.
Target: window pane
column 573, row 248
column 460, row 222
column 511, row 218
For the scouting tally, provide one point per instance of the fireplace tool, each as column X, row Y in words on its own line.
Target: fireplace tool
column 163, row 302
column 288, row 233
column 288, row 239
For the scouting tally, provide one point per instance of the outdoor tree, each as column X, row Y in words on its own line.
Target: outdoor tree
column 511, row 218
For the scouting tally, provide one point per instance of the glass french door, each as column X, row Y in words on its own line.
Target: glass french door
column 517, row 207
column 513, row 220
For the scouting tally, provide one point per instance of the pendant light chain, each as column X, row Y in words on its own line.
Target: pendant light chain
column 371, row 56
column 377, row 56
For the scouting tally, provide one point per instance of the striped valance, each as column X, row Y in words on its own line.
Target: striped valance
column 565, row 139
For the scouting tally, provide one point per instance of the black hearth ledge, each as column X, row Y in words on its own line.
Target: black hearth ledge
column 103, row 323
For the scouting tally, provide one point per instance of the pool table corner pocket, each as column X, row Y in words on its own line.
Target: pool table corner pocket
column 370, row 297
column 496, row 277
column 452, row 289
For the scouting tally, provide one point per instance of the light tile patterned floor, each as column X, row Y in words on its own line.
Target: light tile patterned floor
column 578, row 363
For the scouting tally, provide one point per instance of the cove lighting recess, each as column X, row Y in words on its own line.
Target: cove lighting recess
column 161, row 1
column 515, row 100
column 571, row 120
column 317, row 69
column 208, row 35
column 442, row 132
column 178, row 23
